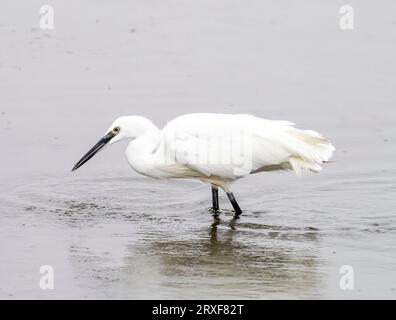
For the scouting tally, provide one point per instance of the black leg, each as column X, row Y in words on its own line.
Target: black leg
column 235, row 205
column 215, row 198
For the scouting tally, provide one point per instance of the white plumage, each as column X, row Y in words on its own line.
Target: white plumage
column 274, row 144
column 217, row 148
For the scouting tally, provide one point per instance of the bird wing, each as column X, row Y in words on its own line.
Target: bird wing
column 232, row 146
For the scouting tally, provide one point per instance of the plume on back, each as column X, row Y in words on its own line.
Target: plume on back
column 311, row 150
column 294, row 148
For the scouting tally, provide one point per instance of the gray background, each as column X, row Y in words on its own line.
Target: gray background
column 112, row 234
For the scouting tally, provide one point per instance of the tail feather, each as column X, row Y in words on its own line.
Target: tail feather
column 310, row 152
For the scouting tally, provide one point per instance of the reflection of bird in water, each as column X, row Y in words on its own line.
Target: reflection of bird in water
column 220, row 261
column 236, row 258
column 215, row 148
column 213, row 229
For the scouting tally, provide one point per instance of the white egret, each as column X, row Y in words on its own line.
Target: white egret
column 215, row 148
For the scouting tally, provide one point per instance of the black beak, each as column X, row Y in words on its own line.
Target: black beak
column 95, row 149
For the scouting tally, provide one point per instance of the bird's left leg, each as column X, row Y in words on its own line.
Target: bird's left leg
column 234, row 203
column 215, row 198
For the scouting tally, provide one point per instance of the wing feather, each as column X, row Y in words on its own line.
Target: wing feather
column 232, row 146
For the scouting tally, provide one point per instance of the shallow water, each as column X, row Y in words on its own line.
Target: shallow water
column 109, row 233
column 120, row 237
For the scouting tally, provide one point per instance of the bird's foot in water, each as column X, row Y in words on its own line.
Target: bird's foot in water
column 215, row 212
column 237, row 215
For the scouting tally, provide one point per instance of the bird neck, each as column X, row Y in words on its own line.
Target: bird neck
column 141, row 152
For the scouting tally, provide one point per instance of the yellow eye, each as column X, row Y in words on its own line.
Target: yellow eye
column 116, row 130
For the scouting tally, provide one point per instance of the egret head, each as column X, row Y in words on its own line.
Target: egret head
column 127, row 127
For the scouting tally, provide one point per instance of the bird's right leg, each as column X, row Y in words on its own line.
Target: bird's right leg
column 215, row 198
